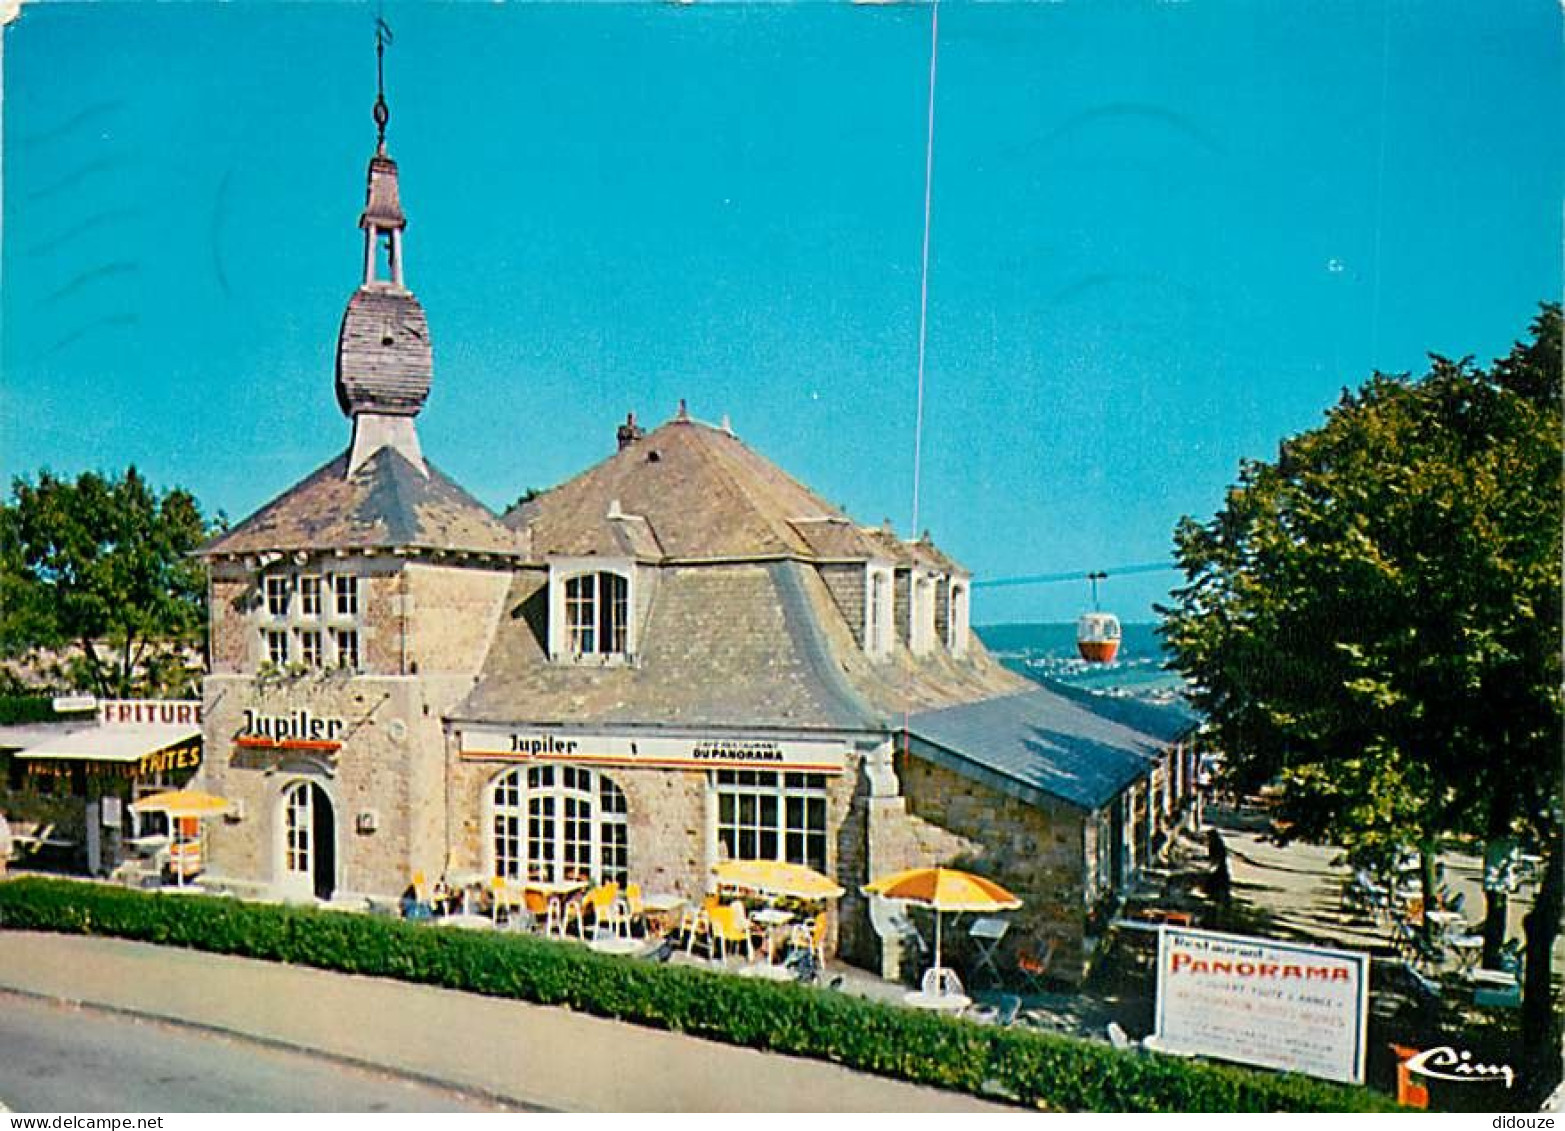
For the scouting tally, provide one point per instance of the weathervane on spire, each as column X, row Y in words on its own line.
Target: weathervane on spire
column 383, row 38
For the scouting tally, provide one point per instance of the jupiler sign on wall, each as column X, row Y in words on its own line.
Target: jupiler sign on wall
column 656, row 751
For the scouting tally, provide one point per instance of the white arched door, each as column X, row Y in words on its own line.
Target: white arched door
column 309, row 841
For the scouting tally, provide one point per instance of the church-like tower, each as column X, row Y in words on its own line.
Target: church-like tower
column 384, row 359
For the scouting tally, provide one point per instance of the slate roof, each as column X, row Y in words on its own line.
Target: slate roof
column 384, row 358
column 1041, row 742
column 726, row 646
column 387, row 503
column 689, row 492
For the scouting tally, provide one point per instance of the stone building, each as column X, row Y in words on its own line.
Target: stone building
column 678, row 656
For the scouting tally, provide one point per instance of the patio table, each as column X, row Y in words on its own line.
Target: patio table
column 943, row 1003
column 663, row 907
column 771, row 918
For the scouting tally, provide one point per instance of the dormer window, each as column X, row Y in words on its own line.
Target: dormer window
column 877, row 609
column 921, row 611
column 956, row 619
column 597, row 611
column 590, row 610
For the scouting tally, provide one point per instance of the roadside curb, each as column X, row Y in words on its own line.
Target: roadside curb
column 487, row 1095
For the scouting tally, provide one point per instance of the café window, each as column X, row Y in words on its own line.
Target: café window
column 310, row 595
column 276, row 641
column 345, row 595
column 559, row 823
column 277, row 591
column 590, row 614
column 762, row 815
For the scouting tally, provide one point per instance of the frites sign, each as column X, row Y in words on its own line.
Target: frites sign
column 1256, row 1001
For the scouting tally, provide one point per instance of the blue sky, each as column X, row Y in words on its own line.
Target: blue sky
column 1165, row 235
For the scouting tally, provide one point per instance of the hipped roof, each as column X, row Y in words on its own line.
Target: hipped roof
column 688, row 491
column 387, row 503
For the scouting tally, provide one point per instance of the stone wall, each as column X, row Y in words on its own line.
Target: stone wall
column 451, row 613
column 845, row 583
column 230, row 599
column 1034, row 851
column 383, row 773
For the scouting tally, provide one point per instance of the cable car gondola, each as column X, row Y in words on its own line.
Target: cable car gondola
column 1097, row 632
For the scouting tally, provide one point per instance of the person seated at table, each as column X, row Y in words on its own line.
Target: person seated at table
column 441, row 899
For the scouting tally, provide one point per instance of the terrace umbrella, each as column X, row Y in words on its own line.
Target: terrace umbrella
column 773, row 879
column 181, row 804
column 943, row 889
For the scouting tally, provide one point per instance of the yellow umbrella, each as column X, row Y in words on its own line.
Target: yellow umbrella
column 179, row 804
column 943, row 889
column 183, row 803
column 775, row 878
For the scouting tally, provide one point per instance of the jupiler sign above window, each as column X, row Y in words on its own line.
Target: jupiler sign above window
column 656, row 752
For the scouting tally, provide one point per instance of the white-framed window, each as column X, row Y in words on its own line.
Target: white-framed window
column 555, row 823
column 298, row 830
column 765, row 815
column 597, row 613
column 345, row 595
column 310, row 595
column 591, row 611
column 345, row 643
column 277, row 590
column 957, row 618
column 878, row 600
column 310, row 653
column 276, row 641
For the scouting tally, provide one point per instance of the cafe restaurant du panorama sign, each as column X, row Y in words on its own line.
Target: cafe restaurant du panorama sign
column 1261, row 1002
column 656, row 751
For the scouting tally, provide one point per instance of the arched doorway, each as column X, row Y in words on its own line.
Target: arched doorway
column 309, row 832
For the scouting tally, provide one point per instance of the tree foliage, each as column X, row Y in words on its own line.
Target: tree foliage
column 1374, row 616
column 103, row 565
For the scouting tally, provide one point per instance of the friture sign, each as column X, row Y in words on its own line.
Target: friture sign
column 1257, row 1001
column 656, row 751
column 149, row 712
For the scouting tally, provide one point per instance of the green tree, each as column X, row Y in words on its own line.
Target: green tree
column 103, row 564
column 1374, row 618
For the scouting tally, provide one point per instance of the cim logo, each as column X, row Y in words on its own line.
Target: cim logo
column 1445, row 1063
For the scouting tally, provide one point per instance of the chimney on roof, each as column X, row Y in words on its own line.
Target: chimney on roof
column 727, row 425
column 629, row 432
column 684, row 411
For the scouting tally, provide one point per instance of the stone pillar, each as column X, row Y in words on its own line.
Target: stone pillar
column 885, row 811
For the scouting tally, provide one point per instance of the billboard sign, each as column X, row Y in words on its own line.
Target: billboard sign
column 1257, row 1001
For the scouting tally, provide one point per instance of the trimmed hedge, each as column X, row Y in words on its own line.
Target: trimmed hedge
column 1036, row 1069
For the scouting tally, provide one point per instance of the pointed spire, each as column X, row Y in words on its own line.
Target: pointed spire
column 382, row 112
column 384, row 360
column 382, row 217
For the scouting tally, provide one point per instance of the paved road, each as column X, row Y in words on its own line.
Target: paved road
column 525, row 1054
column 66, row 1059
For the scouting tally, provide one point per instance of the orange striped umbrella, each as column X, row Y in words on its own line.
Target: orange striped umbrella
column 943, row 889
